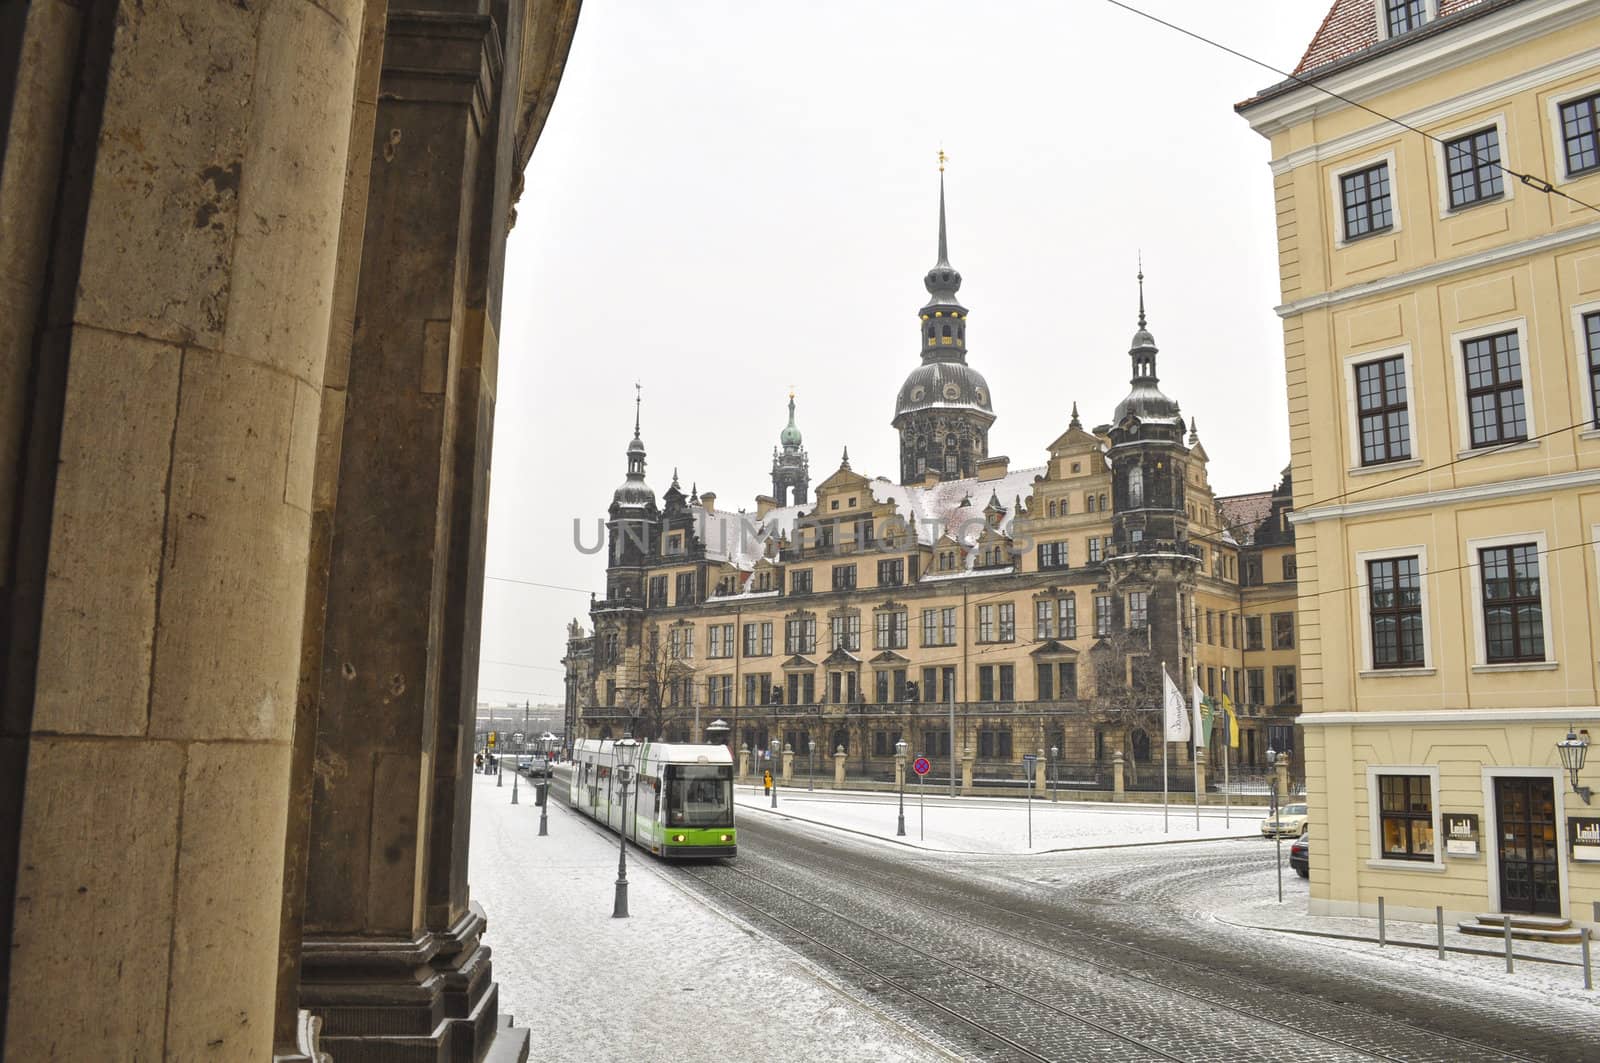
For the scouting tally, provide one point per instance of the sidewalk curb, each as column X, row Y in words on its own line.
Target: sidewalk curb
column 1393, row 943
column 781, row 814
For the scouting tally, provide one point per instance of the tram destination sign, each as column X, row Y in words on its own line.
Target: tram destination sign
column 921, row 766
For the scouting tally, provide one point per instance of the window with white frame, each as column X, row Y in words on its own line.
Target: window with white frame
column 1472, row 168
column 1405, row 817
column 1578, row 134
column 1591, row 344
column 1394, row 612
column 1365, row 201
column 1383, row 410
column 1403, row 16
column 1496, row 405
column 1513, row 606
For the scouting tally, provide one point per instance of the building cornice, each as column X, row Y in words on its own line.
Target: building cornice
column 1441, row 112
column 1452, row 717
column 1437, row 270
column 1460, row 45
column 1431, row 499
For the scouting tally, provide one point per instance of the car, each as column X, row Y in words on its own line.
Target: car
column 1300, row 855
column 1290, row 822
column 538, row 767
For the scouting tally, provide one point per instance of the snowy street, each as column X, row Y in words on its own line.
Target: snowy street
column 838, row 942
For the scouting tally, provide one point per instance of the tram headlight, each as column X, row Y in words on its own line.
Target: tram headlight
column 727, row 837
column 680, row 838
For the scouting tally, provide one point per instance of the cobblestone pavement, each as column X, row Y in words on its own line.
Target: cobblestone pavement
column 1105, row 956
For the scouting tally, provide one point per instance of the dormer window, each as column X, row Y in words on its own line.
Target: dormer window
column 1403, row 16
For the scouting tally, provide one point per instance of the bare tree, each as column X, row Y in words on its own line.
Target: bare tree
column 661, row 687
column 1127, row 691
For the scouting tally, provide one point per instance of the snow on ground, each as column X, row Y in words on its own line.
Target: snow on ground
column 997, row 826
column 695, row 984
column 1483, row 963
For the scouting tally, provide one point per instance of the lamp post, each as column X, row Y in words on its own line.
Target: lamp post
column 1277, row 831
column 1574, row 750
column 773, row 754
column 717, row 732
column 900, row 762
column 625, row 749
column 811, row 764
column 543, row 796
column 1055, row 775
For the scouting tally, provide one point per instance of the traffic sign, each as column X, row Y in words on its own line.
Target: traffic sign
column 921, row 766
column 1027, row 763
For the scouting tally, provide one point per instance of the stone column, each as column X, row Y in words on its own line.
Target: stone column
column 1200, row 775
column 1118, row 780
column 744, row 762
column 839, row 759
column 1282, row 770
column 173, row 373
column 788, row 764
column 1041, row 766
column 393, row 959
column 966, row 770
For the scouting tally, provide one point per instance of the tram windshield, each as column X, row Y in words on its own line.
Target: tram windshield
column 699, row 795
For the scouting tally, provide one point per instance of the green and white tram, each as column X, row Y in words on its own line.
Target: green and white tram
column 679, row 803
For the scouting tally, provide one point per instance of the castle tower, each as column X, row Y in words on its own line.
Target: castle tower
column 943, row 411
column 790, row 468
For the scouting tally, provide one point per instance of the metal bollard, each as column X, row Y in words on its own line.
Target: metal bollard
column 1438, row 918
column 1507, row 919
column 544, row 811
column 499, row 777
column 1588, row 973
column 1383, row 930
column 514, row 778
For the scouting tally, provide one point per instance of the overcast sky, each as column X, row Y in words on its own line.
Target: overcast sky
column 733, row 197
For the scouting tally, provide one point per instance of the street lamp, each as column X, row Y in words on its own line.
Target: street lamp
column 1574, row 751
column 772, row 758
column 543, row 796
column 1277, row 824
column 1055, row 775
column 900, row 761
column 626, row 749
column 717, row 732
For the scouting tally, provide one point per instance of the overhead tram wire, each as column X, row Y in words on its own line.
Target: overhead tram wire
column 1512, row 444
column 535, row 583
column 1538, row 184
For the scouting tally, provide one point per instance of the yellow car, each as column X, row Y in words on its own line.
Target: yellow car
column 1289, row 822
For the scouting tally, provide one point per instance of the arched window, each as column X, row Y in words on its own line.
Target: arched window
column 1089, row 504
column 605, row 734
column 1141, row 744
column 841, row 740
column 1065, row 502
column 1052, row 509
column 1103, row 506
column 1136, row 486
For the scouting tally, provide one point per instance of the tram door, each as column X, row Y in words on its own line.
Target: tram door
column 1530, row 876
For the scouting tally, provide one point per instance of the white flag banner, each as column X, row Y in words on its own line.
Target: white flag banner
column 1177, row 713
column 1199, row 724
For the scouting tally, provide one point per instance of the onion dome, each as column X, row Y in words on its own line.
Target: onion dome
column 1146, row 401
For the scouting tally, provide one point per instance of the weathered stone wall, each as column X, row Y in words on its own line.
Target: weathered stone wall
column 162, row 695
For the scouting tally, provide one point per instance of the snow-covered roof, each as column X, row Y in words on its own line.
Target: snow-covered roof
column 936, row 511
column 1243, row 514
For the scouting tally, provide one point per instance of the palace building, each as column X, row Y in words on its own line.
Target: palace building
column 1441, row 317
column 1032, row 608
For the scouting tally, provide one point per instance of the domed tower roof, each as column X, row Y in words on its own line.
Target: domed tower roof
column 1146, row 400
column 943, row 380
column 634, row 493
column 790, row 436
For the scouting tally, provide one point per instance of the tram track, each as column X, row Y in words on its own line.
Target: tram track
column 1429, row 1041
column 902, row 985
column 1108, row 984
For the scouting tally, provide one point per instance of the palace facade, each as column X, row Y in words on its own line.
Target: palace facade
column 967, row 607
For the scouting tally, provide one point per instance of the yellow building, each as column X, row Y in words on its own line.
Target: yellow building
column 967, row 608
column 1442, row 340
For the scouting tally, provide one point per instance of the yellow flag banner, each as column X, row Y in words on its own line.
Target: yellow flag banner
column 1233, row 721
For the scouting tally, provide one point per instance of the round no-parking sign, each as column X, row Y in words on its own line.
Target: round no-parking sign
column 921, row 766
